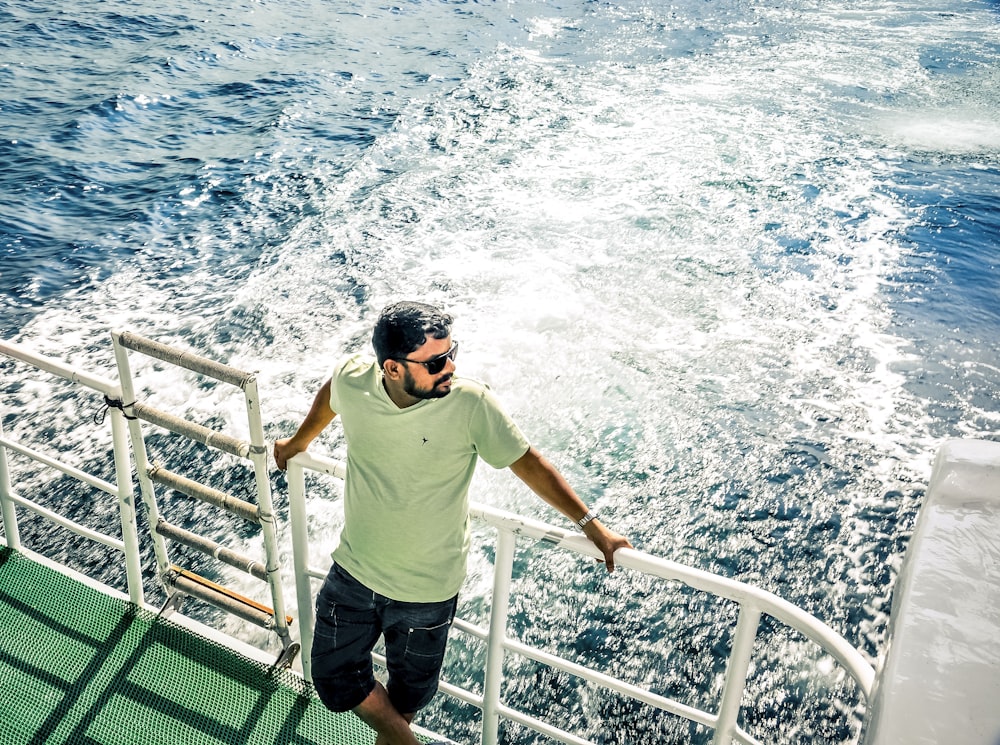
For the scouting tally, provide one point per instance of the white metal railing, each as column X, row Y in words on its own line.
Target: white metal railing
column 753, row 603
column 122, row 488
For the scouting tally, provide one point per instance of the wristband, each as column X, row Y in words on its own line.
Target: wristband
column 591, row 515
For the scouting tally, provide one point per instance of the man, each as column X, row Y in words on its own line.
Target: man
column 414, row 434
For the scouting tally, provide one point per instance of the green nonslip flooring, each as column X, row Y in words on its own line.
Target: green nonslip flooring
column 82, row 667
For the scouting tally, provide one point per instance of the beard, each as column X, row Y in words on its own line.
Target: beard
column 411, row 387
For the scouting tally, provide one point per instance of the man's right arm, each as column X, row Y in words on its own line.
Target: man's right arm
column 319, row 416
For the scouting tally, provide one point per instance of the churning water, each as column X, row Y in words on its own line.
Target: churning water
column 731, row 265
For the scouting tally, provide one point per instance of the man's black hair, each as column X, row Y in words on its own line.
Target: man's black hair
column 403, row 328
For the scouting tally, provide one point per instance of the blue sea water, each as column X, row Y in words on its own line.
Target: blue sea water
column 733, row 266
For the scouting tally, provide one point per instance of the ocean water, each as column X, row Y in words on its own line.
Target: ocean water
column 733, row 267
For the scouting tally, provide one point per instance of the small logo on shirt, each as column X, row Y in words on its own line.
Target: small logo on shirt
column 425, row 440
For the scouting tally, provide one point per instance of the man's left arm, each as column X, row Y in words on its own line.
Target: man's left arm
column 543, row 479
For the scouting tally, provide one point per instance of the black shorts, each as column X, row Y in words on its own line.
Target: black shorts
column 349, row 620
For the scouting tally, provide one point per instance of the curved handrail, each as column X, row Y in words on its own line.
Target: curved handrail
column 767, row 602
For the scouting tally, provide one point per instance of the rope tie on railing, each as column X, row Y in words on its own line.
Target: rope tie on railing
column 112, row 403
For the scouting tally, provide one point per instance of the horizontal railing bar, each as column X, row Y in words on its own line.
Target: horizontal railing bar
column 224, row 602
column 75, row 527
column 745, row 738
column 638, row 693
column 471, row 629
column 561, row 735
column 65, row 468
column 197, row 432
column 613, row 684
column 581, row 671
column 213, row 549
column 67, row 372
column 539, row 726
column 193, row 489
column 187, row 360
column 196, row 586
column 321, row 464
column 468, row 697
column 314, row 573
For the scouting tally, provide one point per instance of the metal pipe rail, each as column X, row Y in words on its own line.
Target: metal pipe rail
column 187, row 360
column 192, row 431
column 753, row 603
column 213, row 549
column 122, row 489
column 731, row 589
column 214, row 497
column 196, row 586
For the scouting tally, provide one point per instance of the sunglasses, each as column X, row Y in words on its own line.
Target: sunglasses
column 435, row 364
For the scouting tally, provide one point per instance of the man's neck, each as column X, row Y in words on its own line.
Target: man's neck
column 401, row 398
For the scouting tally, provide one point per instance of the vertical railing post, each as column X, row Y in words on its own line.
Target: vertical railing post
column 300, row 559
column 6, row 503
column 140, row 455
column 502, row 570
column 265, row 504
column 126, row 507
column 736, row 674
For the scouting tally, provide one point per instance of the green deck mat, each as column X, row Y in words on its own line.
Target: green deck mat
column 79, row 666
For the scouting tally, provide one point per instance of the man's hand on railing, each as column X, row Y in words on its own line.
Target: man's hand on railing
column 285, row 450
column 319, row 416
column 545, row 480
column 607, row 541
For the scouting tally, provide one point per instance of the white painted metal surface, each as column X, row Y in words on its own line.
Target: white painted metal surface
column 122, row 489
column 939, row 682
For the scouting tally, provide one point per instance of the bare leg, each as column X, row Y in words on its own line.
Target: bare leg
column 378, row 712
column 380, row 740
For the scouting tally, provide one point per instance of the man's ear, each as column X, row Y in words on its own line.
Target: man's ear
column 392, row 369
